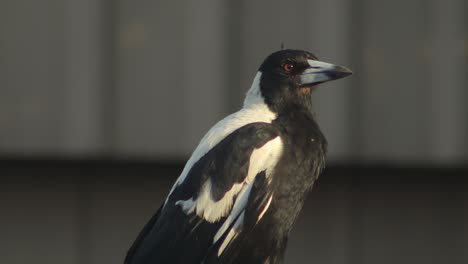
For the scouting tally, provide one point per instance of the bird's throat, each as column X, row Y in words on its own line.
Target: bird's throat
column 304, row 90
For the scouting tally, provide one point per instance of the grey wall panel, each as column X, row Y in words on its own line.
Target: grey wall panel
column 31, row 78
column 396, row 98
column 84, row 97
column 413, row 82
column 448, row 55
column 150, row 66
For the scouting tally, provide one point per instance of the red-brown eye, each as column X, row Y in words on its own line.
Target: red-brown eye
column 288, row 67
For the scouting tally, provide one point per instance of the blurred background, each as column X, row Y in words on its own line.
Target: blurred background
column 102, row 102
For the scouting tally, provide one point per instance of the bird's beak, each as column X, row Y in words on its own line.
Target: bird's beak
column 319, row 72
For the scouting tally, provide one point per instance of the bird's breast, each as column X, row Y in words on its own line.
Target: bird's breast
column 302, row 160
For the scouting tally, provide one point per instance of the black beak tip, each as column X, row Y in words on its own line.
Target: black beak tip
column 341, row 71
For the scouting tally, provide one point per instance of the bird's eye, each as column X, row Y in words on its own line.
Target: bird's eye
column 288, row 67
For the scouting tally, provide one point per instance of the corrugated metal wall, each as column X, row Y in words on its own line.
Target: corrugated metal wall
column 148, row 78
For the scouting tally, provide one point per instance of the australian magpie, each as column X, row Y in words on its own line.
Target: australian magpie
column 244, row 185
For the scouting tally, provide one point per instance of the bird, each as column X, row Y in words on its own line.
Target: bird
column 244, row 185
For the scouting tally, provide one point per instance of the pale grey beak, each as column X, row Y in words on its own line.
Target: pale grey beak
column 320, row 72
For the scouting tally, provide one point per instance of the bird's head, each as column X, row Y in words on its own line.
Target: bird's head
column 289, row 76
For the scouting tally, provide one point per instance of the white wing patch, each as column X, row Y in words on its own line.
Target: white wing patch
column 254, row 110
column 206, row 207
column 264, row 158
column 239, row 206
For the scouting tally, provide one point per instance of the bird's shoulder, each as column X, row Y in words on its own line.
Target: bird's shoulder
column 213, row 182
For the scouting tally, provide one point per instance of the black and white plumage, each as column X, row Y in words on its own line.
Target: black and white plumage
column 244, row 185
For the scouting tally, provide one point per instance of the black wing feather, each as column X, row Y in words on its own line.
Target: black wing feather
column 141, row 235
column 172, row 236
